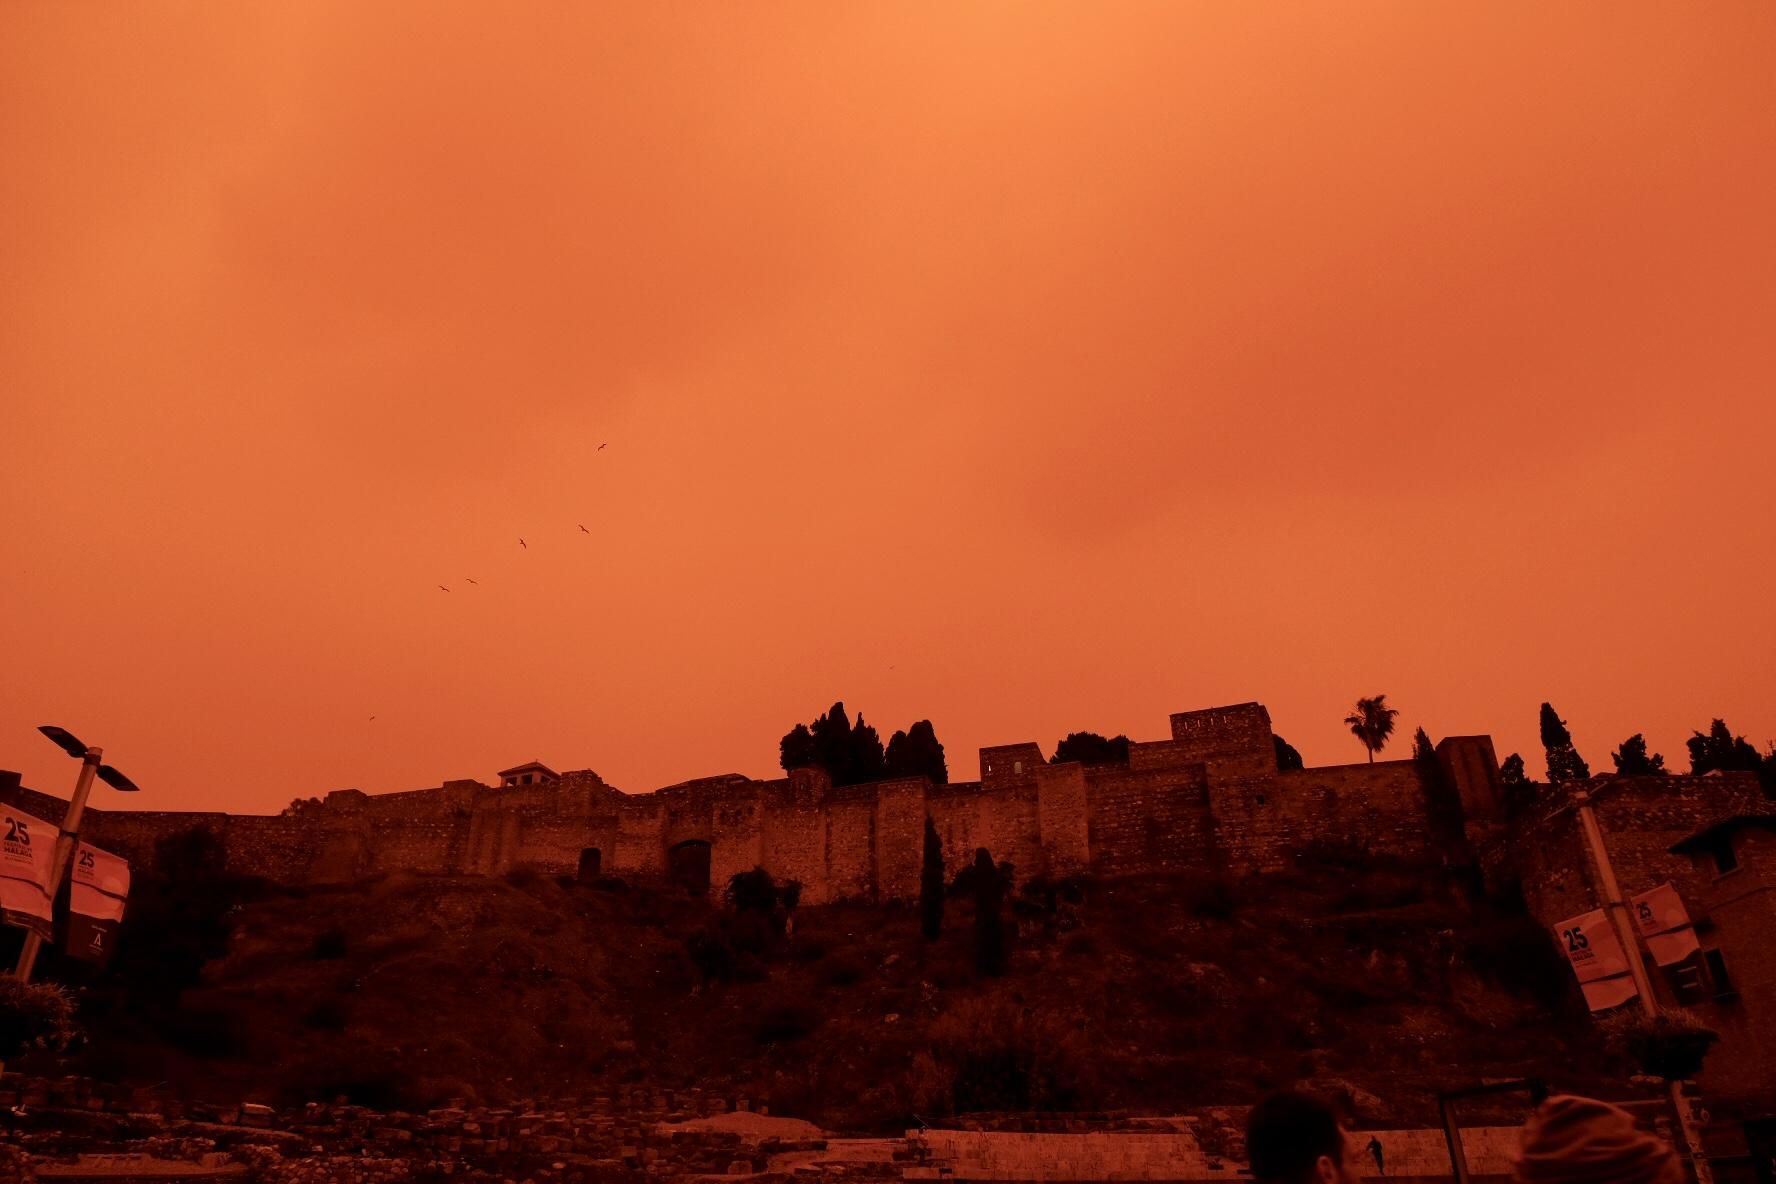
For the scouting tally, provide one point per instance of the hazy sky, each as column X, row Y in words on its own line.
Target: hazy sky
column 1027, row 367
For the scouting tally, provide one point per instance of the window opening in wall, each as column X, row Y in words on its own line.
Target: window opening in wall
column 591, row 863
column 1017, row 767
column 1719, row 981
column 1725, row 858
column 1260, row 799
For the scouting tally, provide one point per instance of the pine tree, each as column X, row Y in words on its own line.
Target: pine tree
column 796, row 749
column 931, row 884
column 1422, row 748
column 917, row 753
column 989, row 924
column 1288, row 759
column 1564, row 762
column 1631, row 759
column 1090, row 748
column 1512, row 772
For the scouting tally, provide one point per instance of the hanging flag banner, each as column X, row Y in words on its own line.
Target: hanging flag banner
column 1597, row 959
column 1663, row 921
column 95, row 902
column 27, row 848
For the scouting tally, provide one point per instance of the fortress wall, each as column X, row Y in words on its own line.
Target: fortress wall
column 1260, row 821
column 1238, row 738
column 850, row 844
column 793, row 835
column 955, row 811
column 552, row 843
column 1641, row 817
column 641, row 839
column 900, row 837
column 1009, row 827
column 1146, row 820
column 1063, row 819
column 736, row 838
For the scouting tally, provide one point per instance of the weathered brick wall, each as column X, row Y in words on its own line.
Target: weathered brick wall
column 1063, row 817
column 850, row 843
column 900, row 837
column 1148, row 820
column 1261, row 821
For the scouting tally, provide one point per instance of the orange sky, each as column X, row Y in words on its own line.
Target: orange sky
column 1028, row 367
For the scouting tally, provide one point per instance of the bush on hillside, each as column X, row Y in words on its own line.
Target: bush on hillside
column 34, row 1015
column 994, row 1054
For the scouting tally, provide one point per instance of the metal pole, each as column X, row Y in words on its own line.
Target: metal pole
column 64, row 853
column 1617, row 910
column 1458, row 1158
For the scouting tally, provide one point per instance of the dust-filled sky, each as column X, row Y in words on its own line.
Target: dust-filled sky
column 1027, row 367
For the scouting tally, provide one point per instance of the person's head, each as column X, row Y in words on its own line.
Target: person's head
column 1292, row 1138
column 1572, row 1140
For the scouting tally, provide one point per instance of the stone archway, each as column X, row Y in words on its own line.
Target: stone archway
column 688, row 865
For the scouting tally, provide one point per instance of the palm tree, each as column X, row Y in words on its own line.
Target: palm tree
column 1372, row 723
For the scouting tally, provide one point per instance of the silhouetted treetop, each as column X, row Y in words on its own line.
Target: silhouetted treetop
column 1090, row 748
column 1288, row 760
column 852, row 753
column 1718, row 749
column 1564, row 762
column 1631, row 759
column 1372, row 722
column 917, row 752
column 1422, row 748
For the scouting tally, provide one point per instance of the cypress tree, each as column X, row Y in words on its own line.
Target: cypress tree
column 989, row 924
column 1564, row 762
column 931, row 884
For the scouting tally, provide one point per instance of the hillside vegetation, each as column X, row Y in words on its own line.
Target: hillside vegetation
column 1156, row 994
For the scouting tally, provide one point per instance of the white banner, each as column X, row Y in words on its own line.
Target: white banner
column 27, row 848
column 1665, row 924
column 1597, row 959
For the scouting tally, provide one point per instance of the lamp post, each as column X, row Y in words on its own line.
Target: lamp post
column 1617, row 910
column 69, row 832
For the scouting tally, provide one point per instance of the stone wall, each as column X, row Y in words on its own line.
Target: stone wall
column 1207, row 798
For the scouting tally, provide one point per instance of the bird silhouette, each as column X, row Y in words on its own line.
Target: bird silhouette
column 602, row 447
column 372, row 719
column 477, row 583
column 524, row 544
column 442, row 588
column 583, row 530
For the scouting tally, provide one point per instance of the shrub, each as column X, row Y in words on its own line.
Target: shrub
column 841, row 972
column 753, row 891
column 34, row 1015
column 1518, row 955
column 785, row 1022
column 1670, row 1045
column 523, row 875
column 997, row 1055
column 328, row 944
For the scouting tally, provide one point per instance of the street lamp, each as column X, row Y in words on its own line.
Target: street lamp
column 69, row 831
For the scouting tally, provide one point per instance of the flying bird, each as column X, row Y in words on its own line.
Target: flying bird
column 524, row 544
column 477, row 583
column 372, row 719
column 583, row 530
column 601, row 447
column 442, row 588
